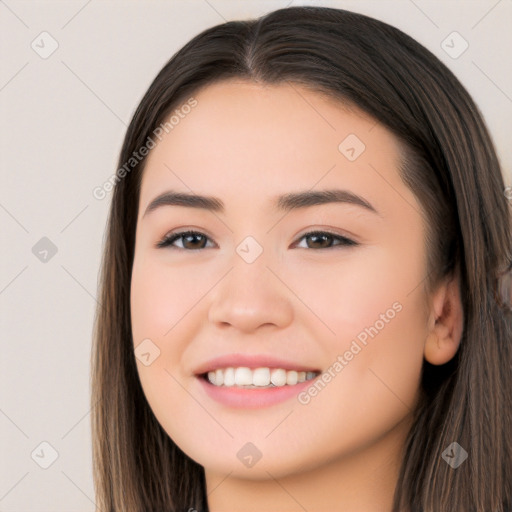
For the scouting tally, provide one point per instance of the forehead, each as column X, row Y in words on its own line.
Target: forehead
column 243, row 140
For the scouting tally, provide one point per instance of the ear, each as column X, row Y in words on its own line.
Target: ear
column 445, row 323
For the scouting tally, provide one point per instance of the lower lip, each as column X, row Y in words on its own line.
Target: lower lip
column 233, row 396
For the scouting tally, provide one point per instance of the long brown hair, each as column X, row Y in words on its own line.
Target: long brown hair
column 450, row 164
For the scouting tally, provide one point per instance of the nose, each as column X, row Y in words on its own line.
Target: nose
column 251, row 296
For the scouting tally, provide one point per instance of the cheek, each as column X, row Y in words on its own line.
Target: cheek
column 156, row 309
column 381, row 325
column 352, row 291
column 151, row 303
column 373, row 369
column 161, row 297
column 168, row 307
column 163, row 305
column 373, row 304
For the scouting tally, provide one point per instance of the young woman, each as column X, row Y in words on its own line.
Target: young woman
column 304, row 298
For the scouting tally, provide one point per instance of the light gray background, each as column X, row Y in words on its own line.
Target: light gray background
column 63, row 120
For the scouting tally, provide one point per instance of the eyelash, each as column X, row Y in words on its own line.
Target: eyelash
column 169, row 239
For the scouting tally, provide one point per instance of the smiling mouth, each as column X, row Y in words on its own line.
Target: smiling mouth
column 258, row 378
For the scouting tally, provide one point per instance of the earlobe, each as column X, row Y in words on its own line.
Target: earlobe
column 445, row 324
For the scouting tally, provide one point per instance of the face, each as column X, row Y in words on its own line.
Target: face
column 331, row 287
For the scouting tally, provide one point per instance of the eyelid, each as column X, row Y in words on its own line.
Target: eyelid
column 330, row 230
column 345, row 240
column 174, row 235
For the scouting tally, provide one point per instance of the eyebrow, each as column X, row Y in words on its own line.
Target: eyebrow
column 286, row 202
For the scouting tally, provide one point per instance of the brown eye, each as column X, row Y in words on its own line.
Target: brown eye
column 324, row 239
column 191, row 240
column 194, row 240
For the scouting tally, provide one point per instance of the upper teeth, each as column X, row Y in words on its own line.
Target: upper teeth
column 260, row 377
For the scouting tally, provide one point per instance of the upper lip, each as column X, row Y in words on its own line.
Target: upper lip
column 251, row 361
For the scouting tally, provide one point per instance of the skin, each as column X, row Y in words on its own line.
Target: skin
column 246, row 143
